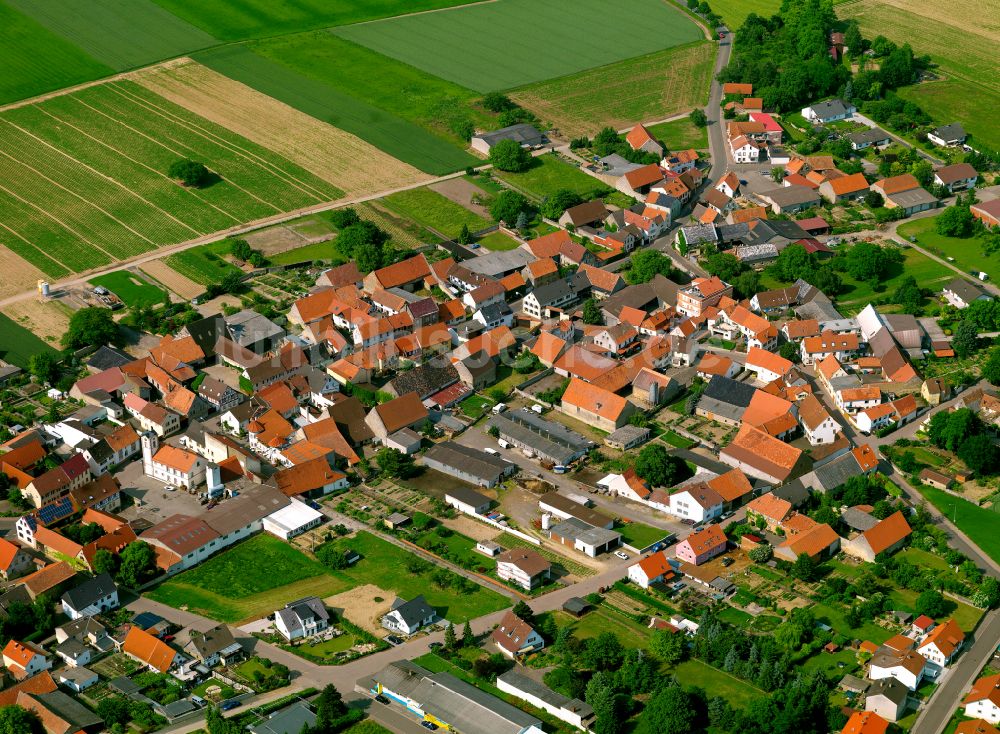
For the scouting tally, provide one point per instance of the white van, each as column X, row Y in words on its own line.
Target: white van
column 499, row 408
column 504, row 444
column 493, row 452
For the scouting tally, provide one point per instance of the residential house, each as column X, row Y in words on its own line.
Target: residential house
column 113, row 448
column 817, row 424
column 302, row 618
column 587, row 214
column 214, row 646
column 514, row 637
column 941, row 646
column 887, row 536
column 617, row 340
column 24, row 659
column 767, row 366
column 151, row 651
column 542, row 302
column 58, row 482
column 14, row 561
column 697, row 501
column 888, row 698
column 523, row 567
column 956, row 177
column 94, row 596
column 844, row 188
column 816, row 540
column 865, row 722
column 829, row 111
column 653, row 569
column 869, row 138
column 152, row 417
column 639, row 138
column 176, row 467
column 790, row 198
column 701, row 294
column 983, row 701
column 962, row 293
column 407, row 274
column 947, row 136
column 407, row 617
column 702, row 546
column 817, row 348
column 775, row 301
column 182, row 541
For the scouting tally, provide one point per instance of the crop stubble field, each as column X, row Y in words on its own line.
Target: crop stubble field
column 341, row 159
column 508, row 44
column 83, row 183
column 966, row 53
column 647, row 88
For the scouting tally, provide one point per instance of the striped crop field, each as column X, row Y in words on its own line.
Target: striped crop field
column 83, row 178
column 511, row 43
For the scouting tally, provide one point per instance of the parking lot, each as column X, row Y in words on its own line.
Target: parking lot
column 151, row 501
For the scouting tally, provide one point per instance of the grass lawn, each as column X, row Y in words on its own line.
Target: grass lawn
column 382, row 564
column 306, row 253
column 640, row 536
column 835, row 617
column 17, row 344
column 132, row 288
column 680, row 134
column 433, row 210
column 976, row 107
column 676, row 439
column 503, row 45
column 830, row 663
column 646, row 88
column 549, row 174
column 367, row 727
column 475, row 405
column 967, row 253
column 227, row 691
column 203, row 264
column 498, row 241
column 735, row 617
column 737, row 692
column 328, row 649
column 923, row 559
column 251, row 578
column 593, row 623
column 978, row 523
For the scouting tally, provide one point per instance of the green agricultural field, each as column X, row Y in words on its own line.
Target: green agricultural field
column 232, row 20
column 17, row 344
column 120, row 33
column 203, row 264
column 644, row 89
column 507, row 44
column 85, row 174
column 549, row 174
column 435, row 105
column 734, row 12
column 132, row 288
column 307, row 92
column 431, row 209
column 680, row 135
column 382, row 564
column 248, row 580
column 965, row 253
column 314, row 251
column 35, row 60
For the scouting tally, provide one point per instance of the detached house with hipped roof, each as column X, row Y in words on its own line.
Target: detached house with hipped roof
column 702, row 546
column 696, row 501
column 524, row 567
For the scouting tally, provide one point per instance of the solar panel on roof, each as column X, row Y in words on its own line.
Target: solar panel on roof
column 55, row 511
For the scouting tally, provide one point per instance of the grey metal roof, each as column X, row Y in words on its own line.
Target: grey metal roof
column 858, row 519
column 499, row 263
column 913, row 197
column 838, row 471
column 468, row 460
column 462, row 706
column 522, row 133
column 68, row 709
column 546, row 694
column 550, row 439
column 628, row 434
column 468, row 496
column 790, row 195
column 579, row 530
column 727, row 390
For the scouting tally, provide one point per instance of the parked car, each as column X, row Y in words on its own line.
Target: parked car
column 727, row 562
column 687, row 521
column 678, row 586
column 382, row 699
column 492, row 452
column 394, row 639
column 429, row 725
column 230, row 704
column 622, row 554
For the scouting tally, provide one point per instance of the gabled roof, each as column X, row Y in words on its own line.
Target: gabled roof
column 769, row 361
column 705, row 540
column 90, row 591
column 760, row 450
column 401, row 412
column 848, row 184
column 512, row 632
column 769, row 506
column 401, row 273
column 732, row 485
column 655, row 565
column 985, row 689
column 812, row 542
column 594, row 399
column 865, row 722
column 150, row 650
column 887, row 533
column 639, row 136
column 947, row 637
column 530, row 562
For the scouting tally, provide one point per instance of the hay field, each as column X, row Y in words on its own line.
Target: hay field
column 651, row 87
column 19, row 275
column 336, row 156
column 507, row 44
column 172, row 280
column 83, row 178
column 965, row 51
column 47, row 320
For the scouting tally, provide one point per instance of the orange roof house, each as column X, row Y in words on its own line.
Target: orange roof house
column 737, row 88
column 887, row 536
column 976, row 726
column 942, row 643
column 770, row 413
column 772, row 508
column 837, row 189
column 41, row 683
column 762, row 456
column 639, row 138
column 768, row 365
column 147, row 649
column 596, row 406
column 865, row 722
column 819, row 541
column 733, row 486
column 548, row 348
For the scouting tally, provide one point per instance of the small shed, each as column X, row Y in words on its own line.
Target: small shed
column 488, row 548
column 853, row 684
column 396, row 520
column 576, row 606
